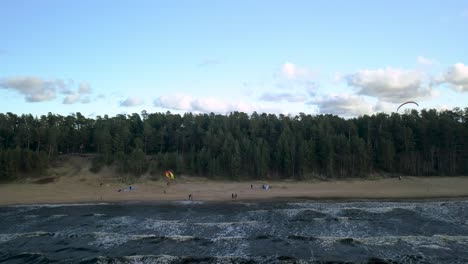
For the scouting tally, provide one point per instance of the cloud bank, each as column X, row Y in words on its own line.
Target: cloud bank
column 281, row 97
column 342, row 104
column 457, row 77
column 208, row 105
column 391, row 85
column 34, row 89
column 293, row 72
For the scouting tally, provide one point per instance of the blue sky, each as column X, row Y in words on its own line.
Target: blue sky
column 340, row 57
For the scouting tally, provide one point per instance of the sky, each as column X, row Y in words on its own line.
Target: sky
column 347, row 58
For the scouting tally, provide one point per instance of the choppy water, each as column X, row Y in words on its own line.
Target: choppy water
column 266, row 232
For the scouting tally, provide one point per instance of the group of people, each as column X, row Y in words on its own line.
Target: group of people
column 264, row 186
column 190, row 196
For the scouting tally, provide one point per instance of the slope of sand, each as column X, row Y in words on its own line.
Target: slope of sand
column 87, row 188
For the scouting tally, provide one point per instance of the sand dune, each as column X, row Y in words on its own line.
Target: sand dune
column 88, row 189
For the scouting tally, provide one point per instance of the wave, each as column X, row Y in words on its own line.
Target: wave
column 224, row 224
column 436, row 241
column 188, row 202
column 284, row 259
column 156, row 237
column 163, row 259
column 108, row 240
column 25, row 257
column 8, row 237
column 54, row 205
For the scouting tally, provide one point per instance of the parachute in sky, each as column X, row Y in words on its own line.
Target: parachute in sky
column 169, row 175
column 409, row 102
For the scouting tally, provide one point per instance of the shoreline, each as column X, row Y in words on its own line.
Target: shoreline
column 87, row 189
column 245, row 201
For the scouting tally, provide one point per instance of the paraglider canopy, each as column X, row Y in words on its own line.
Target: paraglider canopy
column 408, row 102
column 169, row 174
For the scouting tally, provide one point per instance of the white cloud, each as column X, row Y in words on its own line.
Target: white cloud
column 288, row 97
column 34, row 89
column 342, row 105
column 297, row 79
column 384, row 107
column 71, row 99
column 424, row 61
column 84, row 88
column 391, row 85
column 442, row 107
column 457, row 77
column 209, row 104
column 175, row 102
column 293, row 72
column 66, row 90
column 132, row 101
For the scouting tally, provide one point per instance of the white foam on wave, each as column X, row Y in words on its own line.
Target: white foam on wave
column 188, row 202
column 99, row 215
column 114, row 222
column 139, row 259
column 162, row 227
column 108, row 240
column 8, row 237
column 434, row 247
column 57, row 216
column 445, row 211
column 228, row 238
column 224, row 224
column 142, row 259
column 232, row 246
column 174, row 238
column 436, row 240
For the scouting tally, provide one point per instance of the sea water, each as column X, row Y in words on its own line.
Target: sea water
column 429, row 231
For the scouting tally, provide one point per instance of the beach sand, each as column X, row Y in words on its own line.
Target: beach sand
column 83, row 189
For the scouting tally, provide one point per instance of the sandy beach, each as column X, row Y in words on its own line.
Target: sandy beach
column 89, row 189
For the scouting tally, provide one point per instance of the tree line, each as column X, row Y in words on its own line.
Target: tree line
column 242, row 146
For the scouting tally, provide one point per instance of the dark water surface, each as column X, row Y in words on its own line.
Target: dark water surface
column 265, row 232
